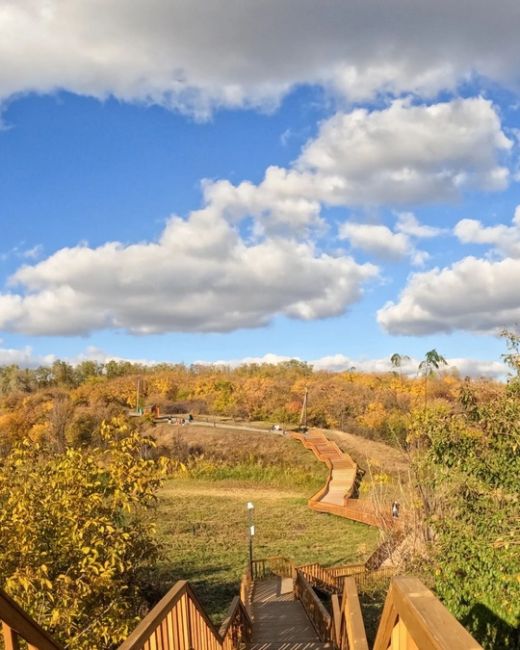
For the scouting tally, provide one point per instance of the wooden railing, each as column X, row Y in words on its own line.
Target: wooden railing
column 414, row 619
column 246, row 591
column 278, row 565
column 348, row 629
column 18, row 626
column 320, row 576
column 315, row 609
column 346, row 570
column 178, row 622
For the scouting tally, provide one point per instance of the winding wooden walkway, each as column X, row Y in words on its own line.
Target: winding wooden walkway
column 280, row 622
column 336, row 497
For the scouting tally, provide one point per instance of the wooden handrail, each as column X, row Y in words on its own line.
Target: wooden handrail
column 246, row 589
column 352, row 618
column 414, row 618
column 318, row 615
column 320, row 576
column 17, row 624
column 276, row 565
column 178, row 622
column 237, row 616
column 345, row 570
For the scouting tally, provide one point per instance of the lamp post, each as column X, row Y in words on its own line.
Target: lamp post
column 250, row 534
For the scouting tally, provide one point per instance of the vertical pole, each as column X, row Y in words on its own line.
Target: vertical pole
column 303, row 414
column 137, row 396
column 251, row 534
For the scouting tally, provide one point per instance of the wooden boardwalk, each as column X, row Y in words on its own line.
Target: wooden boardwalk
column 279, row 621
column 336, row 496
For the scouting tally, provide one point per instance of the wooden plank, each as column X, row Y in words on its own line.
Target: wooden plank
column 149, row 623
column 387, row 621
column 354, row 619
column 336, row 619
column 13, row 616
column 10, row 638
column 428, row 622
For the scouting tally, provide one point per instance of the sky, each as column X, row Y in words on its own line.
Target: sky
column 234, row 181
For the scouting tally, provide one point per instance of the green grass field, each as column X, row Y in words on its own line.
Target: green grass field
column 203, row 527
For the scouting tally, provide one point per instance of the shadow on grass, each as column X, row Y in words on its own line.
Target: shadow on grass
column 211, row 584
column 490, row 630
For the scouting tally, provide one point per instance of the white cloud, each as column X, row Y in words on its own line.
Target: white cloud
column 473, row 294
column 382, row 242
column 504, row 239
column 407, row 153
column 399, row 155
column 200, row 276
column 408, row 224
column 340, row 363
column 376, row 239
column 197, row 55
column 26, row 358
column 21, row 252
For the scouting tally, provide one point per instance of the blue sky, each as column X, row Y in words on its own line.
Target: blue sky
column 179, row 183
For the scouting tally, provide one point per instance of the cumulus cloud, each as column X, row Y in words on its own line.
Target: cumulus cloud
column 504, row 239
column 476, row 295
column 383, row 243
column 24, row 357
column 208, row 272
column 376, row 239
column 340, row 363
column 199, row 276
column 198, row 55
column 408, row 224
column 406, row 153
column 398, row 155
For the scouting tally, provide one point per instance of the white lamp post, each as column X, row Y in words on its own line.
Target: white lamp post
column 251, row 533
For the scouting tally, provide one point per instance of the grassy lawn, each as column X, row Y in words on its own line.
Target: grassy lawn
column 203, row 526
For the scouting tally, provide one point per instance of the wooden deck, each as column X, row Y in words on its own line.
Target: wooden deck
column 279, row 621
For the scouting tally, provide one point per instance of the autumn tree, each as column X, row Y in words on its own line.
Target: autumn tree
column 77, row 533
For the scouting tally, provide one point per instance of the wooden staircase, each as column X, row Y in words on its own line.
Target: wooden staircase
column 286, row 614
column 280, row 621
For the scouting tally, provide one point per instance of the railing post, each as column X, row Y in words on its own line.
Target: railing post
column 10, row 638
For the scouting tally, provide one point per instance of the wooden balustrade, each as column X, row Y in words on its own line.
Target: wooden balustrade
column 18, row 626
column 371, row 579
column 414, row 619
column 278, row 565
column 318, row 615
column 320, row 576
column 347, row 621
column 178, row 622
column 346, row 570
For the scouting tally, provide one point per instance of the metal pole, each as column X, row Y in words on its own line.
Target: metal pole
column 251, row 534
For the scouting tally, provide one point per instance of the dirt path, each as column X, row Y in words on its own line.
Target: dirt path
column 365, row 452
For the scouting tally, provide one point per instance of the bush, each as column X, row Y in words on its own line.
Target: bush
column 76, row 535
column 468, row 464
